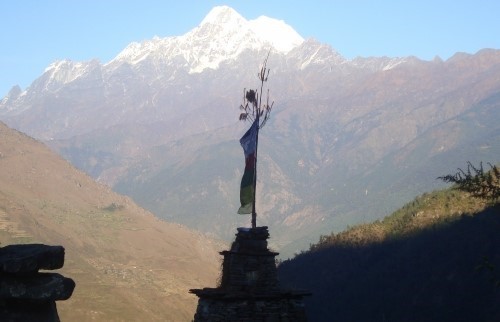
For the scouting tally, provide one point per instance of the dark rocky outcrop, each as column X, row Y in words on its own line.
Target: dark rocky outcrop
column 27, row 294
column 249, row 289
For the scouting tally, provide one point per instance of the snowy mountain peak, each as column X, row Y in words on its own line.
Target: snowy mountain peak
column 276, row 32
column 221, row 36
column 282, row 36
column 224, row 34
column 223, row 15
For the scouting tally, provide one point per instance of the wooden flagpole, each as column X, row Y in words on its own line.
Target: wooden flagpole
column 254, row 212
column 255, row 100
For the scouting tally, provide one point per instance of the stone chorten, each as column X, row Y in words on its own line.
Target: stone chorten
column 249, row 288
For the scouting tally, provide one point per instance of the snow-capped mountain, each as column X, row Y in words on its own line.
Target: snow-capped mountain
column 163, row 68
column 223, row 35
column 159, row 123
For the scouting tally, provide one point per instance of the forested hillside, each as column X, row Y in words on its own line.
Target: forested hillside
column 435, row 259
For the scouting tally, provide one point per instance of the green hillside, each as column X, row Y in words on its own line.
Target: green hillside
column 435, row 259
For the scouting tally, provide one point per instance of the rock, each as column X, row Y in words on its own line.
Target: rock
column 16, row 311
column 25, row 293
column 29, row 258
column 41, row 286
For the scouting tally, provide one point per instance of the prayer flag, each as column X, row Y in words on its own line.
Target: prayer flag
column 247, row 191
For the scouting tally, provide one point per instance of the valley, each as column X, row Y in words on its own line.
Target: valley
column 348, row 141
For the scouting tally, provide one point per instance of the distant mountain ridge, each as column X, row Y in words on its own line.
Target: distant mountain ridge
column 348, row 140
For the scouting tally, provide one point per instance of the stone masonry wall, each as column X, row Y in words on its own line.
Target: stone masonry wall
column 249, row 289
column 268, row 310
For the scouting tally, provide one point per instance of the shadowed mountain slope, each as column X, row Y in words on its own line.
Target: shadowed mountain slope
column 436, row 259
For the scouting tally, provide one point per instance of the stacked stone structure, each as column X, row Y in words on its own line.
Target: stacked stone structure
column 27, row 294
column 249, row 288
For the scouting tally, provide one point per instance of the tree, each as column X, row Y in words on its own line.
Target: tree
column 476, row 181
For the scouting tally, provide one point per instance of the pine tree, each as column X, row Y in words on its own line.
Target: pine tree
column 476, row 181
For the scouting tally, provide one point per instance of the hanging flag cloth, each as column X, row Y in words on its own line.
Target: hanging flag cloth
column 247, row 191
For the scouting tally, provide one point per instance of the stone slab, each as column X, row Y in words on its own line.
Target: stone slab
column 36, row 287
column 29, row 258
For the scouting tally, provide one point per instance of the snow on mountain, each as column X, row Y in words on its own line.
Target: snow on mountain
column 222, row 36
column 283, row 37
column 65, row 71
column 57, row 76
column 223, row 15
column 378, row 63
column 12, row 95
column 311, row 52
column 61, row 73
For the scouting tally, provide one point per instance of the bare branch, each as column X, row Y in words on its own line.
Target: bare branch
column 252, row 99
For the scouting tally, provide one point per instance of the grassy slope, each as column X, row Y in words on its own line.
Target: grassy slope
column 429, row 261
column 127, row 264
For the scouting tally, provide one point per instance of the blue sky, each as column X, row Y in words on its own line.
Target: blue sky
column 35, row 33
